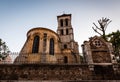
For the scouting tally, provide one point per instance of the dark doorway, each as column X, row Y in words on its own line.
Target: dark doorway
column 65, row 59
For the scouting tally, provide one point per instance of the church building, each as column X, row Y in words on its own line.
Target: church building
column 43, row 45
column 98, row 52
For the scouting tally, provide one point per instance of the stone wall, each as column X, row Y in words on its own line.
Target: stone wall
column 58, row 72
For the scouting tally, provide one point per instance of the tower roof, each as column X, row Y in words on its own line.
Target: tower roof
column 64, row 15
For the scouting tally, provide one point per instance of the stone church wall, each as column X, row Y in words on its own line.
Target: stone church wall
column 61, row 72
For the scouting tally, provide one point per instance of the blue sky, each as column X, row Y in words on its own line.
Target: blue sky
column 19, row 16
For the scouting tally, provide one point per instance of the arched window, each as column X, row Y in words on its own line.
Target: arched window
column 65, row 46
column 35, row 47
column 65, row 59
column 66, row 22
column 62, row 32
column 51, row 47
column 61, row 22
column 67, row 32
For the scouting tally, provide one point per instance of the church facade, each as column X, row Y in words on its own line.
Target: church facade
column 43, row 45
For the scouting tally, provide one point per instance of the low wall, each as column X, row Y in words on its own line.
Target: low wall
column 56, row 72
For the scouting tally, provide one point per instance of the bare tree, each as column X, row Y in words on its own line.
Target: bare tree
column 102, row 28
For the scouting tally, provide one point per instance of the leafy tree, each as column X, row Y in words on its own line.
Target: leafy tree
column 4, row 51
column 114, row 38
column 103, row 23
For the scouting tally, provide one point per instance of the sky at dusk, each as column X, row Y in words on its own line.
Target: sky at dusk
column 17, row 17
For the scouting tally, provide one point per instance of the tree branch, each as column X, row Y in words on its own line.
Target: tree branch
column 107, row 25
column 97, row 27
column 96, row 31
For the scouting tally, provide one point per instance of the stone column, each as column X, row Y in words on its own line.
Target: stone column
column 88, row 53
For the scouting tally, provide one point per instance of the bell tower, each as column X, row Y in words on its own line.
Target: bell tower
column 65, row 31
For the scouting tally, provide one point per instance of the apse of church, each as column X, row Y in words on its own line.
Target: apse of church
column 43, row 45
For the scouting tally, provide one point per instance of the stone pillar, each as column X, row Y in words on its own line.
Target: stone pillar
column 41, row 44
column 88, row 53
column 47, row 44
column 43, row 47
